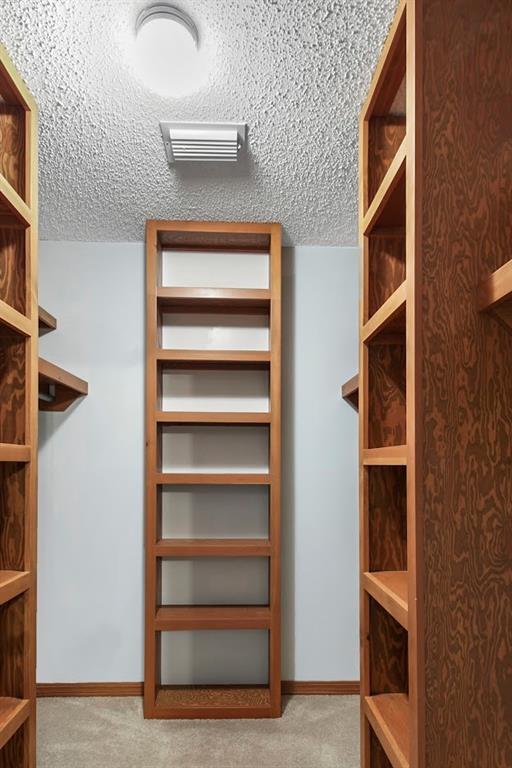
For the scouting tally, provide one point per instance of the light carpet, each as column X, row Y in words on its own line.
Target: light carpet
column 314, row 732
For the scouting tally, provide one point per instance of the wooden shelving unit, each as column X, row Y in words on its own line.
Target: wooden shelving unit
column 261, row 305
column 435, row 401
column 18, row 418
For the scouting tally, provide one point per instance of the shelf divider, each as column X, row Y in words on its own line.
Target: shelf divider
column 13, row 713
column 390, row 317
column 179, row 617
column 12, row 584
column 389, row 589
column 212, row 417
column 494, row 294
column 213, row 548
column 389, row 456
column 213, row 478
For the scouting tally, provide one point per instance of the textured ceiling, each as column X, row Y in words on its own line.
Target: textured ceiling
column 296, row 71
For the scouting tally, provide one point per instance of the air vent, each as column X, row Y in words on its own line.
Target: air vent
column 203, row 142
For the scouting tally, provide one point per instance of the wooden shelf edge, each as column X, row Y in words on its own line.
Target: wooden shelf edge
column 393, row 455
column 68, row 387
column 216, row 298
column 387, row 186
column 212, row 417
column 15, row 204
column 12, row 584
column 388, row 589
column 47, row 322
column 172, row 618
column 384, row 316
column 213, row 548
column 350, row 392
column 14, row 452
column 13, row 713
column 210, row 356
column 14, row 320
column 193, row 478
column 388, row 715
column 494, row 295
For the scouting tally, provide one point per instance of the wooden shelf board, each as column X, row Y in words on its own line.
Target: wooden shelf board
column 494, row 294
column 393, row 455
column 13, row 713
column 390, row 590
column 215, row 299
column 216, row 701
column 12, row 584
column 350, row 391
column 388, row 715
column 13, row 321
column 68, row 387
column 13, row 452
column 177, row 617
column 12, row 204
column 211, row 358
column 385, row 197
column 213, row 548
column 389, row 318
column 214, row 478
column 211, row 417
column 47, row 322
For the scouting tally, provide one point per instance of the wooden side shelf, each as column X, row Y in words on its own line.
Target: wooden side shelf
column 389, row 456
column 12, row 584
column 350, row 391
column 13, row 452
column 47, row 322
column 13, row 713
column 212, row 358
column 178, row 617
column 58, row 389
column 388, row 195
column 213, row 548
column 494, row 294
column 388, row 715
column 390, row 317
column 390, row 590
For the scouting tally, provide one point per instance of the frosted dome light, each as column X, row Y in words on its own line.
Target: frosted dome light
column 166, row 51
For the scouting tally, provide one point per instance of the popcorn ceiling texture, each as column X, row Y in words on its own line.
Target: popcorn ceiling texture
column 296, row 71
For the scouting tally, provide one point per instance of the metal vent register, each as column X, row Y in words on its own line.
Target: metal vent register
column 203, row 142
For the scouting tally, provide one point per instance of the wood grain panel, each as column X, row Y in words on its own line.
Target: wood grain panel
column 387, row 513
column 386, row 267
column 12, row 517
column 12, row 267
column 12, row 391
column 388, row 653
column 385, row 134
column 13, row 754
column 467, row 384
column 12, row 674
column 386, row 395
column 12, row 146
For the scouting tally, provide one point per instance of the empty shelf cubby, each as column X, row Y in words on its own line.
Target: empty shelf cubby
column 214, row 581
column 388, row 657
column 12, row 387
column 387, row 391
column 13, row 285
column 387, row 518
column 13, row 137
column 211, row 390
column 386, row 266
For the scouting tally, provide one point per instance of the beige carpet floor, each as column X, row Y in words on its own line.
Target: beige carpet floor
column 314, row 732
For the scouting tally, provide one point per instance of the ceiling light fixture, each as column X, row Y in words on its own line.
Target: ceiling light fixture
column 167, row 50
column 203, row 142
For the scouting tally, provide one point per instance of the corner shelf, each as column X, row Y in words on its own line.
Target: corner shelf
column 388, row 714
column 350, row 392
column 47, row 322
column 390, row 590
column 58, row 389
column 494, row 294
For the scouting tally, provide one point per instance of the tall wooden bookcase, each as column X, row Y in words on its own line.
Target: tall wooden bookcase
column 435, row 390
column 18, row 417
column 219, row 296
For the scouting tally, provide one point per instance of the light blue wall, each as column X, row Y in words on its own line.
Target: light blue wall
column 90, row 613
